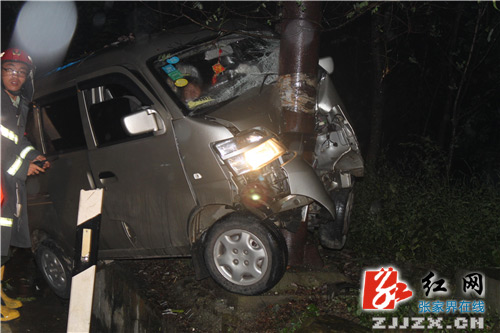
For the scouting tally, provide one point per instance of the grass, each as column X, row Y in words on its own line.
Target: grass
column 422, row 219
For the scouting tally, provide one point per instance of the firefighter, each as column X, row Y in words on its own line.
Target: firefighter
column 18, row 157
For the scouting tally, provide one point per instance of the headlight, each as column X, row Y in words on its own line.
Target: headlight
column 250, row 151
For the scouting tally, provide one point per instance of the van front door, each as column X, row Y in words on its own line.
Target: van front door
column 147, row 199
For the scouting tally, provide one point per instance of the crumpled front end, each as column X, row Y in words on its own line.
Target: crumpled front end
column 337, row 160
column 283, row 187
column 322, row 193
column 337, row 148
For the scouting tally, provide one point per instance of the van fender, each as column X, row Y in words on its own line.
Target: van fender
column 201, row 219
column 304, row 181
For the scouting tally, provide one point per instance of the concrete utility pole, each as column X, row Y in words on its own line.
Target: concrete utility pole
column 298, row 69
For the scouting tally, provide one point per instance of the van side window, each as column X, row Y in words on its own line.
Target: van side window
column 61, row 122
column 108, row 99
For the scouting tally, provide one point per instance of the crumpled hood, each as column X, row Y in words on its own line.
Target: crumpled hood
column 252, row 109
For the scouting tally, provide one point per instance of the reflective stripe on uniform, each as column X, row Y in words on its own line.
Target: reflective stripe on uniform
column 6, row 222
column 15, row 166
column 19, row 161
column 25, row 151
column 9, row 134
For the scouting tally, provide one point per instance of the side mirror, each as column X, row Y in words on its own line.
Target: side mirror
column 327, row 64
column 144, row 121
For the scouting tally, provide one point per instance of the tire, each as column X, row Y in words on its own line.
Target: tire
column 333, row 234
column 244, row 255
column 55, row 268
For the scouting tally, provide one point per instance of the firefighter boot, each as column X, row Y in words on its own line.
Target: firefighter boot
column 9, row 314
column 7, row 301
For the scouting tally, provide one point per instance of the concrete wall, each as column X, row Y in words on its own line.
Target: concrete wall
column 117, row 305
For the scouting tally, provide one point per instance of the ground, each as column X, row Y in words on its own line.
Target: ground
column 189, row 305
column 306, row 296
column 42, row 310
column 306, row 300
column 315, row 303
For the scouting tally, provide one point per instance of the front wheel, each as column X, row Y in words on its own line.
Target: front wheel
column 244, row 255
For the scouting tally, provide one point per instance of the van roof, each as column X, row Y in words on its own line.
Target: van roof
column 136, row 52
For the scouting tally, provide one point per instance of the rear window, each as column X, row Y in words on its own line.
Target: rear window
column 61, row 122
column 217, row 71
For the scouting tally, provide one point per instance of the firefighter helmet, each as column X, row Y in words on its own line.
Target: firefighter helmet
column 17, row 55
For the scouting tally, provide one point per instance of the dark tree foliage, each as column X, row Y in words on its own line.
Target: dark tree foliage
column 440, row 78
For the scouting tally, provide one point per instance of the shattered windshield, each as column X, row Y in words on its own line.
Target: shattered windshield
column 219, row 70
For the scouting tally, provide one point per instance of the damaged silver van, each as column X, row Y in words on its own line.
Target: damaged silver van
column 181, row 130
